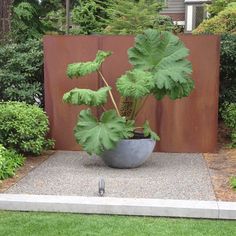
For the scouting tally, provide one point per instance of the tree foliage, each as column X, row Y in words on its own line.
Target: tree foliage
column 133, row 17
column 21, row 72
column 85, row 17
column 25, row 22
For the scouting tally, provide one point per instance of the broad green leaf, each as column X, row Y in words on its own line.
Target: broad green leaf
column 85, row 68
column 136, row 84
column 164, row 55
column 96, row 136
column 86, row 96
column 149, row 133
column 178, row 90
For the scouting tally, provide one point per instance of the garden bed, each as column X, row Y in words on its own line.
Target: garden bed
column 31, row 162
column 222, row 166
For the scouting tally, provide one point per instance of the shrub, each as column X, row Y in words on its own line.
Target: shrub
column 21, row 70
column 9, row 162
column 228, row 69
column 228, row 113
column 224, row 22
column 23, row 127
column 217, row 6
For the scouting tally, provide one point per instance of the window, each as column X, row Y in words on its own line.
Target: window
column 195, row 14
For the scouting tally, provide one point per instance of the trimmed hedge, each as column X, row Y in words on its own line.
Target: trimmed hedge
column 23, row 128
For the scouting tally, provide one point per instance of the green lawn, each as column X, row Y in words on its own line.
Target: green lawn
column 47, row 224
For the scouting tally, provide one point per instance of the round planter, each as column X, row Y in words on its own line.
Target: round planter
column 129, row 153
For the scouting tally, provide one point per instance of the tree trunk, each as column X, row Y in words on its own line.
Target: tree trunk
column 5, row 6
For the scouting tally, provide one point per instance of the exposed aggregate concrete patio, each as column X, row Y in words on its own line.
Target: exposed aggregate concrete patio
column 163, row 176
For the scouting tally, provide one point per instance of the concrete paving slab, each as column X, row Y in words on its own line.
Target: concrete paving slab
column 163, row 176
column 227, row 210
column 119, row 206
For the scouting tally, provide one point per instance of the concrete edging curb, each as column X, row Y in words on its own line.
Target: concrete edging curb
column 119, row 206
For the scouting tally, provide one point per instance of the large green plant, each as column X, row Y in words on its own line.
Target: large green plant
column 160, row 68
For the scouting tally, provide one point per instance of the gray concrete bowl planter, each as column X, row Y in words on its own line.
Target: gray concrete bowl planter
column 129, row 153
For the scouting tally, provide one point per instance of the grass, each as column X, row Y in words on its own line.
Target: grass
column 50, row 224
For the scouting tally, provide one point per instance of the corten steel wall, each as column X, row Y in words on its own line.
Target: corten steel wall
column 186, row 125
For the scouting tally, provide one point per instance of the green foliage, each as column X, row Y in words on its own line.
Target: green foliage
column 149, row 133
column 228, row 69
column 164, row 55
column 233, row 182
column 85, row 68
column 9, row 162
column 86, row 96
column 25, row 22
column 85, row 17
column 55, row 21
column 132, row 17
column 21, row 72
column 135, row 84
column 23, row 127
column 228, row 114
column 217, row 6
column 224, row 22
column 48, row 6
column 96, row 136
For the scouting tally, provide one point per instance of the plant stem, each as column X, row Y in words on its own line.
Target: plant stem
column 132, row 116
column 110, row 93
column 141, row 106
column 104, row 109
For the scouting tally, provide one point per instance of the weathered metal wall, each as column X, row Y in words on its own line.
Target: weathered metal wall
column 186, row 125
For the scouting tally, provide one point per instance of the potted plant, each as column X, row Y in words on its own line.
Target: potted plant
column 160, row 68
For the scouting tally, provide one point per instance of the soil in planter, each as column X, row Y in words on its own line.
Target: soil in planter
column 139, row 135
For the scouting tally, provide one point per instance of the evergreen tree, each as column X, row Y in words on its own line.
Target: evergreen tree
column 132, row 17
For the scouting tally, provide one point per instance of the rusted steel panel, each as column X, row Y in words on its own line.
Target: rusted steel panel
column 59, row 51
column 187, row 125
column 190, row 124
